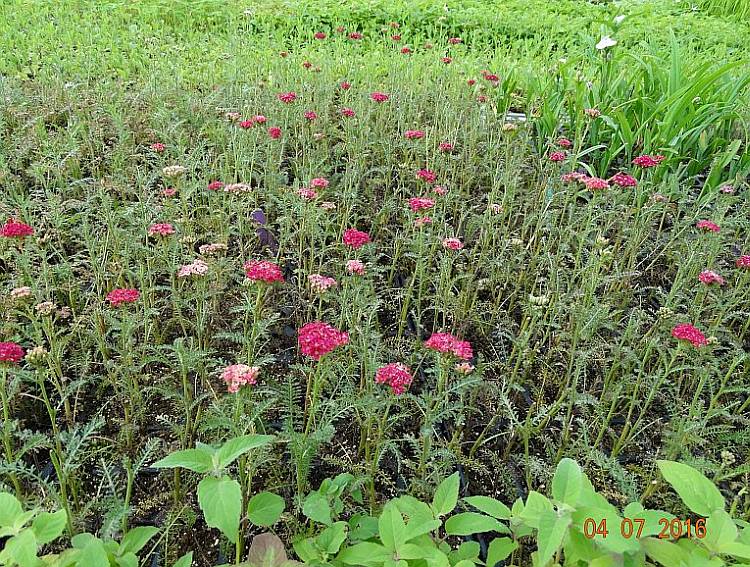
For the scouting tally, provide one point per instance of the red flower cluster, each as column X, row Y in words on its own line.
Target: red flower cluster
column 396, row 375
column 445, row 147
column 709, row 277
column 319, row 35
column 11, row 353
column 624, row 180
column 287, row 97
column 117, row 297
column 646, row 160
column 595, row 183
column 345, row 86
column 413, row 134
column 686, row 332
column 215, row 185
column 310, row 115
column 707, row 225
column 355, row 238
column 348, row 112
column 455, row 40
column 448, row 344
column 426, row 175
column 743, row 262
column 379, row 97
column 263, row 271
column 15, row 229
column 317, row 339
column 274, row 132
column 158, row 147
column 421, row 203
column 355, row 35
column 558, row 156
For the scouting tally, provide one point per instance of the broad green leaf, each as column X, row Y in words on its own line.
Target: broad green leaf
column 185, row 561
column 500, row 548
column 720, row 531
column 469, row 523
column 391, row 527
column 93, row 554
column 489, row 506
column 317, row 508
column 365, row 553
column 446, row 496
column 665, row 552
column 567, row 482
column 48, row 527
column 697, row 492
column 195, row 460
column 651, row 525
column 306, row 550
column 265, row 508
column 467, row 550
column 735, row 549
column 229, row 451
column 22, row 549
column 418, row 527
column 464, row 563
column 412, row 551
column 266, row 550
column 552, row 529
column 136, row 538
column 331, row 538
column 221, row 502
column 10, row 509
column 536, row 505
column 129, row 559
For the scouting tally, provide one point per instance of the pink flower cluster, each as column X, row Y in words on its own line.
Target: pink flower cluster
column 118, row 296
column 263, row 271
column 743, row 262
column 396, row 375
column 708, row 226
column 317, row 339
column 158, row 147
column 623, row 180
column 646, row 160
column 427, row 175
column 355, row 267
column 448, row 344
column 239, row 375
column 348, row 112
column 15, row 229
column 452, row 244
column 379, row 97
column 274, row 132
column 11, row 353
column 421, row 203
column 195, row 268
column 160, row 229
column 287, row 97
column 595, row 183
column 445, row 147
column 558, row 155
column 414, row 134
column 319, row 283
column 355, row 238
column 687, row 332
column 215, row 185
column 709, row 277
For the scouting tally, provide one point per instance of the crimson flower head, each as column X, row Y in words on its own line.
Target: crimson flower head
column 427, row 175
column 624, row 180
column 348, row 112
column 448, row 344
column 406, row 50
column 319, row 35
column 355, row 238
column 686, row 332
column 414, row 134
column 215, row 185
column 707, row 225
column 317, row 339
column 10, row 353
column 455, row 40
column 452, row 244
column 491, row 77
column 558, row 155
column 447, row 60
column 355, row 35
column 646, row 160
column 319, row 182
column 595, row 183
column 743, row 262
column 421, row 203
column 709, row 277
column 445, row 147
column 118, row 296
column 379, row 97
column 345, row 85
column 306, row 65
column 287, row 97
column 396, row 375
column 396, row 37
column 158, row 147
column 160, row 229
column 310, row 115
column 274, row 132
column 239, row 375
column 471, row 82
column 15, row 229
column 259, row 119
column 263, row 271
column 245, row 124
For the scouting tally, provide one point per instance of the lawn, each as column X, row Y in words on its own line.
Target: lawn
column 374, row 283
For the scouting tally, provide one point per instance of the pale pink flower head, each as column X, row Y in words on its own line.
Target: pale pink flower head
column 414, row 134
column 10, row 353
column 118, row 296
column 213, row 248
column 687, row 332
column 169, row 192
column 445, row 147
column 426, row 175
column 239, row 375
column 310, row 115
column 15, row 229
column 419, row 222
column 624, row 180
column 448, row 344
column 709, row 277
column 355, row 238
column 596, row 184
column 307, row 193
column 195, row 268
column 317, row 339
column 161, row 229
column 355, row 267
column 439, row 190
column 379, row 97
column 259, row 119
column 564, row 143
column 320, row 283
column 348, row 112
column 421, row 203
column 647, row 161
column 20, row 292
column 274, row 132
column 707, row 225
column 158, row 147
column 319, row 182
column 743, row 262
column 287, row 98
column 263, row 271
column 237, row 188
column 727, row 189
column 452, row 244
column 455, row 40
column 328, row 206
column 558, row 155
column 396, row 375
column 496, row 208
column 592, row 112
column 573, row 176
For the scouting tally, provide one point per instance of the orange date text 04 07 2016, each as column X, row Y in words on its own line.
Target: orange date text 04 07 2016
column 669, row 528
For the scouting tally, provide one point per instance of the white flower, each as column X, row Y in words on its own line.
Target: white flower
column 605, row 42
column 619, row 19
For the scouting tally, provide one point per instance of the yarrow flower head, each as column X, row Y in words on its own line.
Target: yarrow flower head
column 421, row 203
column 396, row 375
column 573, row 176
column 445, row 147
column 455, row 40
column 215, row 185
column 239, row 375
column 414, row 134
column 319, row 183
column 592, row 112
column 317, row 339
column 237, row 188
column 426, row 175
column 174, row 171
column 118, row 296
column 15, row 229
column 319, row 35
column 687, row 332
column 169, row 192
column 419, row 222
column 379, row 97
column 558, row 155
column 743, row 262
column 439, row 190
column 595, row 183
column 307, row 193
column 213, row 248
column 564, row 143
column 310, row 115
column 246, row 124
column 646, row 160
column 20, row 293
column 287, row 98
column 624, row 180
column 320, row 284
column 452, row 244
column 709, row 277
column 355, row 267
column 10, row 353
column 259, row 119
column 355, row 238
column 263, row 271
column 160, row 229
column 448, row 344
column 707, row 225
column 345, row 85
column 274, row 132
column 348, row 112
column 158, row 147
column 195, row 268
